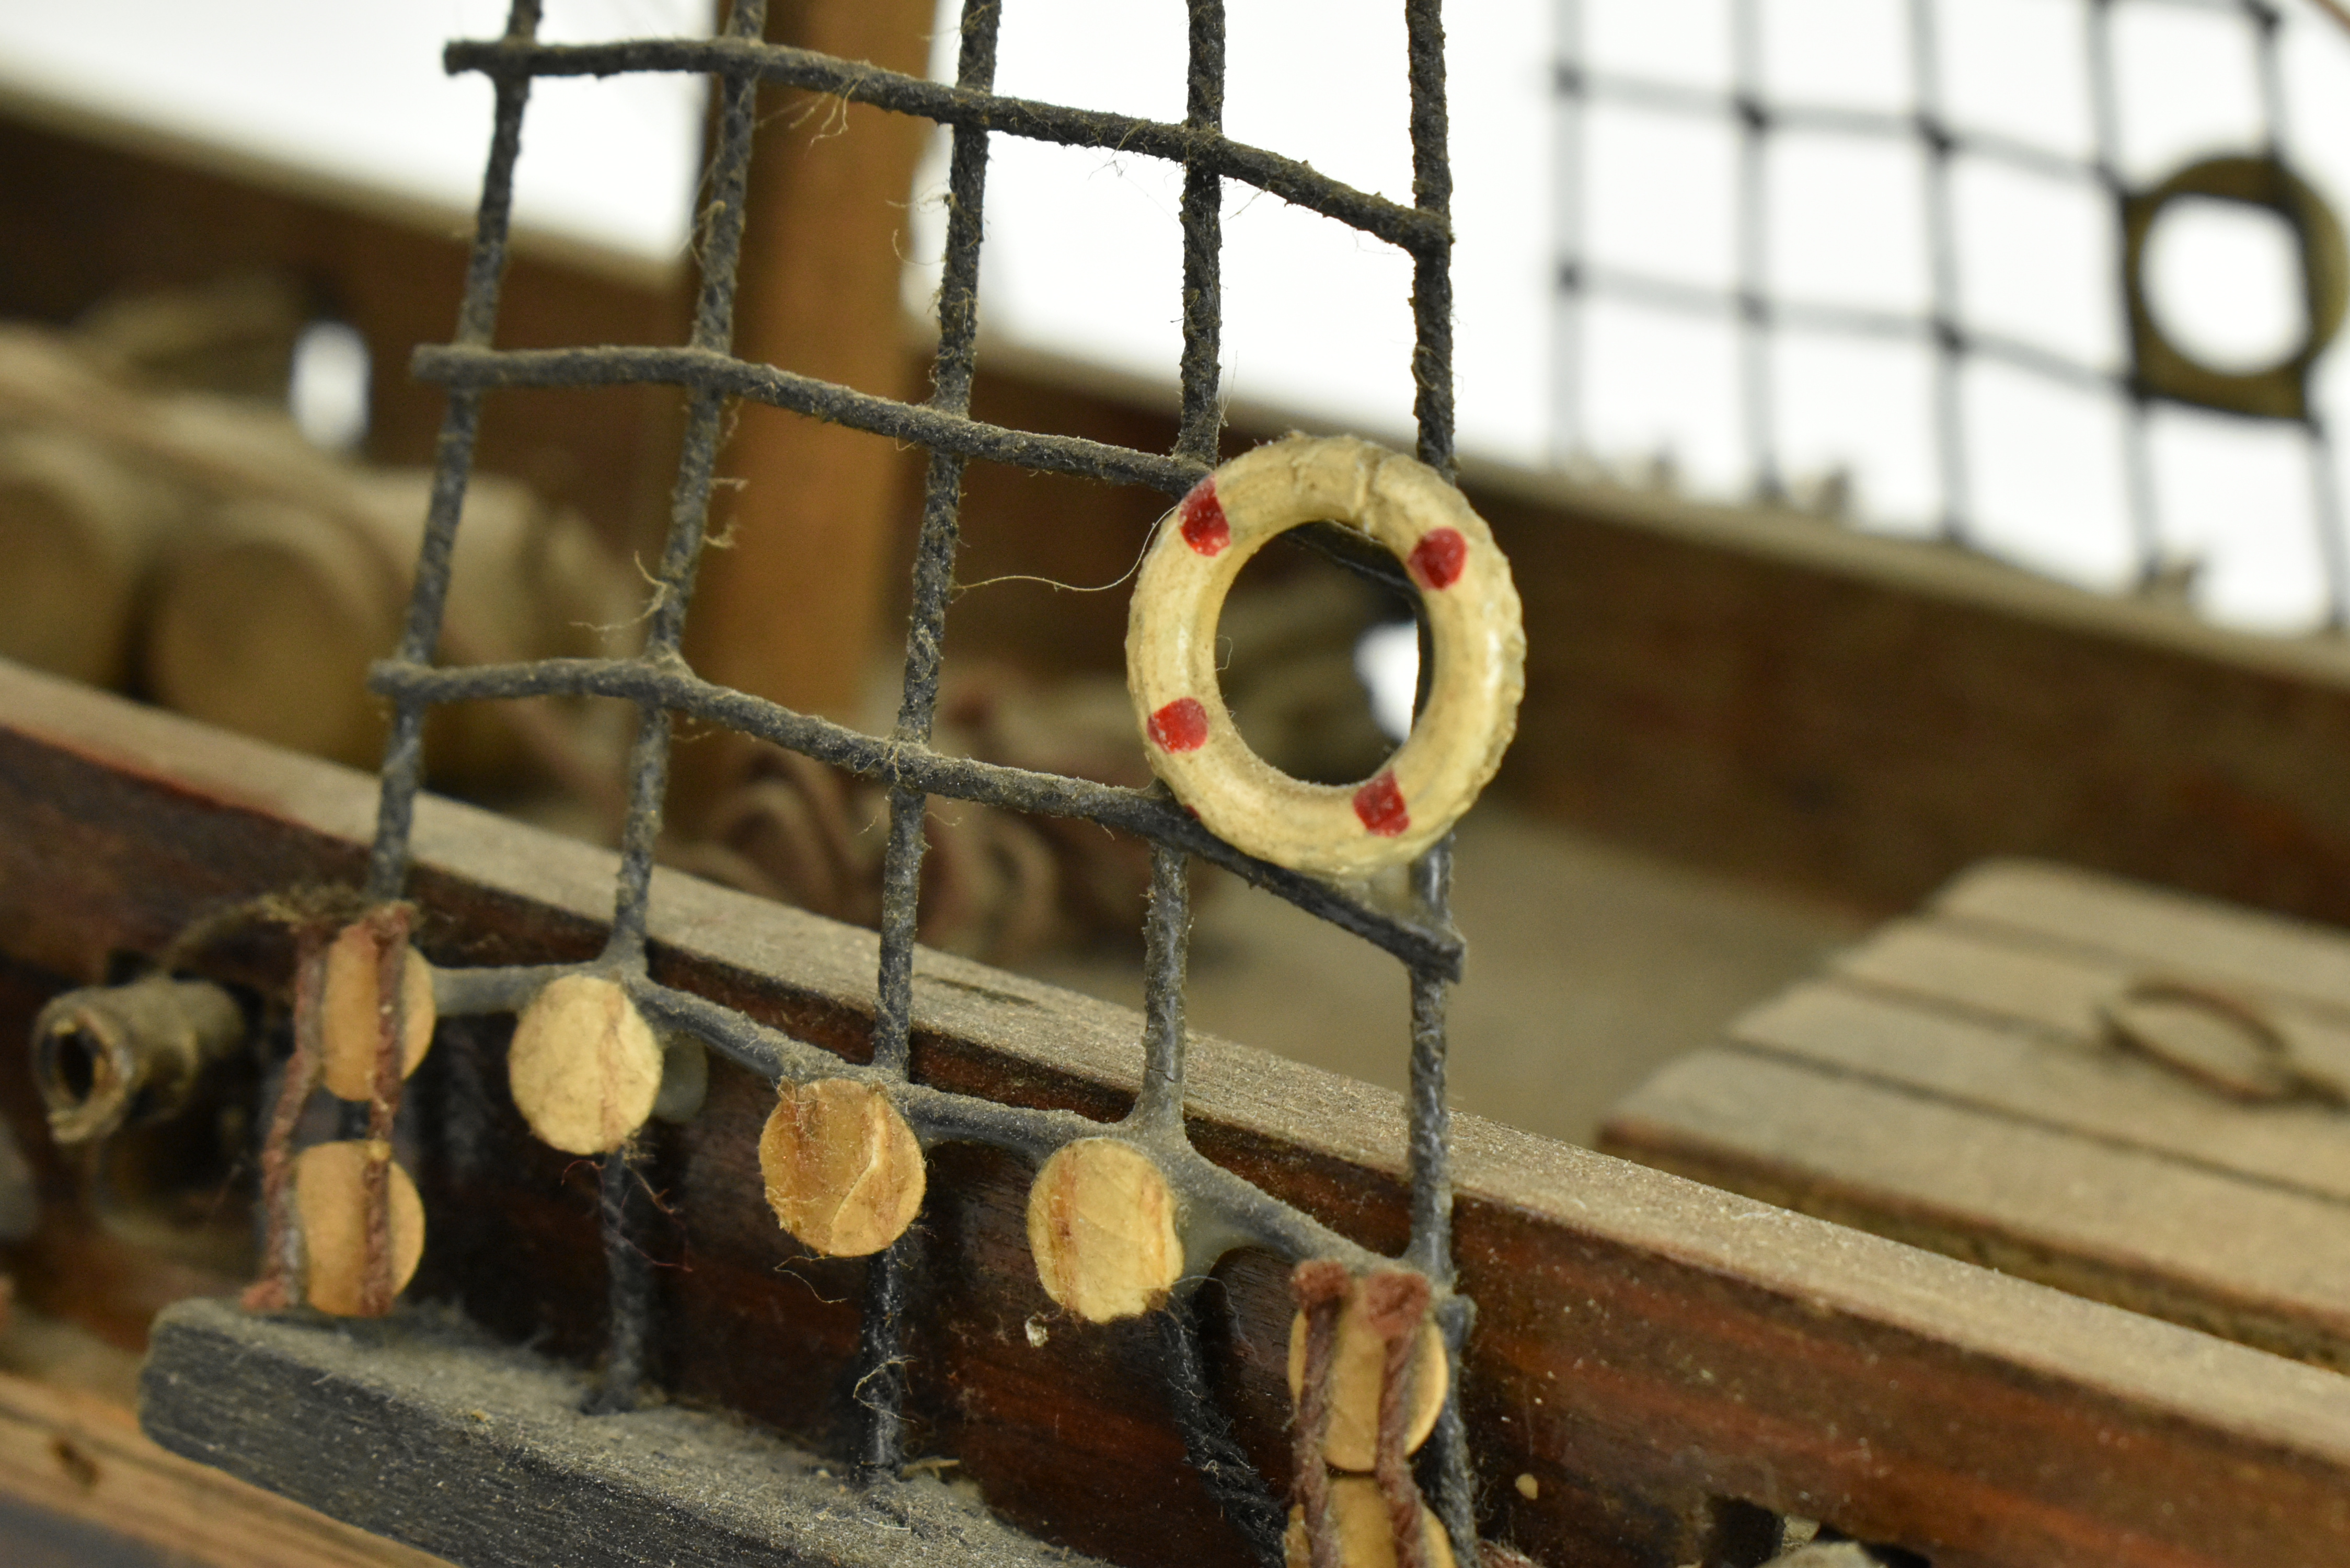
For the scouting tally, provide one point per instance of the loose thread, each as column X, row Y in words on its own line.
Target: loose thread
column 1320, row 1288
column 1493, row 1555
column 880, row 1390
column 269, row 1293
column 1395, row 1308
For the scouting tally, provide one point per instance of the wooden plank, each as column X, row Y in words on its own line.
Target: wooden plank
column 1645, row 1346
column 2065, row 909
column 1989, row 973
column 72, row 1456
column 2259, row 1263
column 1953, row 1081
column 2065, row 1084
column 2048, row 986
column 420, row 1428
column 2037, row 981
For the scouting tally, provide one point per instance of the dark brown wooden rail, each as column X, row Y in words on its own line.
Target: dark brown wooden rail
column 1647, row 1348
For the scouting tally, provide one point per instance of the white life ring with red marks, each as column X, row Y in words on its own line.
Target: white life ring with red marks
column 1334, row 830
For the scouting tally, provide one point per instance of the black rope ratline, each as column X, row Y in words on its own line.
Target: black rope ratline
column 2104, row 110
column 627, row 1286
column 1427, row 942
column 661, row 686
column 477, row 314
column 713, row 332
column 473, row 369
column 1754, row 240
column 1453, row 1478
column 964, row 106
column 1757, row 314
column 1942, row 258
column 881, row 1379
column 1239, row 1492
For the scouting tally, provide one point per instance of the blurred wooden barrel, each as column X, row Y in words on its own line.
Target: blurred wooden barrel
column 77, row 534
column 267, row 615
column 265, row 623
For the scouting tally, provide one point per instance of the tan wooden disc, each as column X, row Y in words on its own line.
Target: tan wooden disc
column 348, row 1039
column 1358, row 1371
column 1101, row 1224
column 331, row 1198
column 844, row 1173
column 583, row 1066
column 1366, row 1539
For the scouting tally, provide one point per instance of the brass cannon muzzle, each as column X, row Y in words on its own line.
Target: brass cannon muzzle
column 115, row 1056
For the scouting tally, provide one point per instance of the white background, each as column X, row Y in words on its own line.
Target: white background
column 1083, row 248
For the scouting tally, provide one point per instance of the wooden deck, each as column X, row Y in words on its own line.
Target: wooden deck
column 1956, row 1082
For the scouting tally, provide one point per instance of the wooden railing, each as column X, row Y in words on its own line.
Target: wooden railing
column 1653, row 1360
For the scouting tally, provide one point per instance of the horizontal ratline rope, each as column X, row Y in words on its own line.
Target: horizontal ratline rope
column 915, row 766
column 1409, row 228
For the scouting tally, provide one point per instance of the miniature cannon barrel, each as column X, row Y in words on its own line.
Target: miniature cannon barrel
column 114, row 1056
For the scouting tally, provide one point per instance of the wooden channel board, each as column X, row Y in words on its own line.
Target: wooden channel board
column 1955, row 1082
column 1649, row 1352
column 81, row 1487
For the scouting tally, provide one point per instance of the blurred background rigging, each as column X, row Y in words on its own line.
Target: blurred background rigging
column 1084, row 257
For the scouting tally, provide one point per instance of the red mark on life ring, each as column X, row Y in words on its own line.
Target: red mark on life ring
column 1180, row 726
column 1380, row 806
column 1204, row 527
column 1436, row 561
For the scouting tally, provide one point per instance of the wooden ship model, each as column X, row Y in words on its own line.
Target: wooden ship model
column 475, row 1192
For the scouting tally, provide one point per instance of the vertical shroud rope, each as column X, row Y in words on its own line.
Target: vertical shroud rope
column 881, row 1369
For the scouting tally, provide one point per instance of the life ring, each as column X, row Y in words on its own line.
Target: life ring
column 2160, row 369
column 1345, row 830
